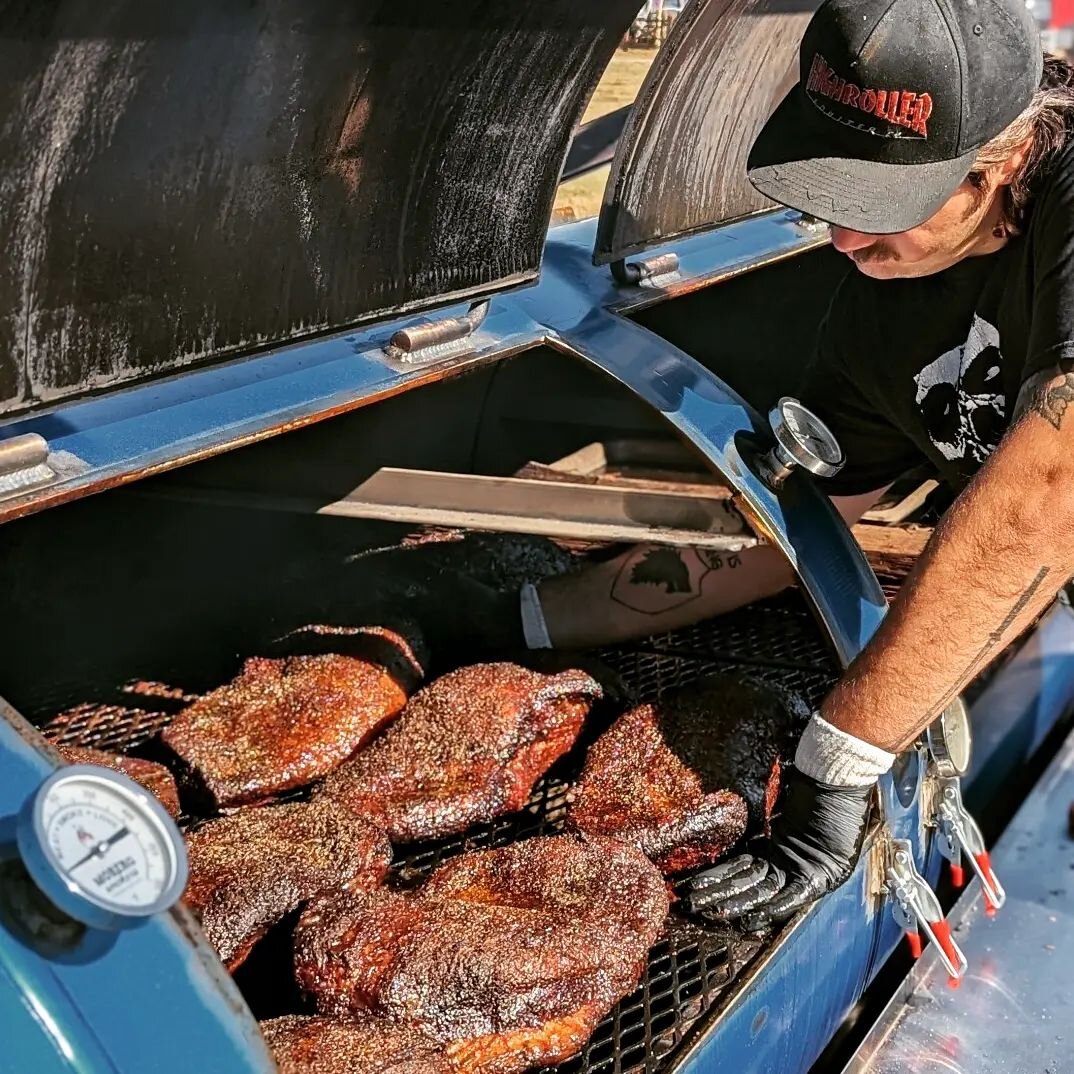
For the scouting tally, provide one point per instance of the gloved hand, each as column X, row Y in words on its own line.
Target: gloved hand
column 815, row 843
column 463, row 620
column 459, row 619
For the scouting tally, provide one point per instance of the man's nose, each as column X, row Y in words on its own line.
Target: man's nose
column 847, row 241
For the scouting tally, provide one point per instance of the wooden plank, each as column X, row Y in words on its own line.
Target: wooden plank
column 891, row 550
column 570, row 510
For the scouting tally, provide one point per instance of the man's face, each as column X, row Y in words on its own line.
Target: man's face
column 961, row 228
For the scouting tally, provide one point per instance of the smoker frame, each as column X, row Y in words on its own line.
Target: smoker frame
column 785, row 1009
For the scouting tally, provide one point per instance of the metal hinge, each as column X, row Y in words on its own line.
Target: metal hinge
column 448, row 338
column 650, row 270
column 24, row 464
column 806, row 222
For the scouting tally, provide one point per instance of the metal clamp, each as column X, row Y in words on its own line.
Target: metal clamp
column 916, row 908
column 958, row 835
column 437, row 339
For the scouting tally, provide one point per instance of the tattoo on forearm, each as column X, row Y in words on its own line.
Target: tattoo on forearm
column 1048, row 394
column 718, row 560
column 655, row 579
column 994, row 639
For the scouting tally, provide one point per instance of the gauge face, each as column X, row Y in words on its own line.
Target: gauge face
column 106, row 843
column 811, row 432
column 956, row 732
column 950, row 738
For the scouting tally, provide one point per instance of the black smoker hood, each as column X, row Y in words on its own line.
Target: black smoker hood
column 183, row 183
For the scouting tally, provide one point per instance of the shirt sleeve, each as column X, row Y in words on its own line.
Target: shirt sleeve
column 840, row 391
column 1051, row 332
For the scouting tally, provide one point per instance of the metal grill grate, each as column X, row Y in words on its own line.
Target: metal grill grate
column 689, row 972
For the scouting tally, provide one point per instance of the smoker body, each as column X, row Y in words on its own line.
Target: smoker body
column 788, row 1001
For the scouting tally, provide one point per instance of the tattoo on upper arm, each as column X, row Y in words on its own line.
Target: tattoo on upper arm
column 1048, row 394
column 654, row 580
column 994, row 639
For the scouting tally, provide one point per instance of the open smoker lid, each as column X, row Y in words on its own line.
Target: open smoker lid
column 185, row 182
column 680, row 166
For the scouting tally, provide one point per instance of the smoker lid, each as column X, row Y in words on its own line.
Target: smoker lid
column 680, row 166
column 187, row 182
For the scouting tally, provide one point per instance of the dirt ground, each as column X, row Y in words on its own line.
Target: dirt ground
column 619, row 85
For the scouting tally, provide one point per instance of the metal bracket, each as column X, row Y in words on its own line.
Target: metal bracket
column 648, row 270
column 437, row 339
column 24, row 464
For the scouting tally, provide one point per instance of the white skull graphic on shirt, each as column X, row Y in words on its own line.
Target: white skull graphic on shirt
column 961, row 396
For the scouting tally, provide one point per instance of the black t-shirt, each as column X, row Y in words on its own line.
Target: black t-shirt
column 928, row 370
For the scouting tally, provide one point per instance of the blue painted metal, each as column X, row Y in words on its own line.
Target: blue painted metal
column 1018, row 708
column 800, row 521
column 155, row 1000
column 1014, row 1009
column 123, row 436
column 785, row 1012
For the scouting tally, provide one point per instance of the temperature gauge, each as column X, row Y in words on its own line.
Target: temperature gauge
column 101, row 848
column 802, row 439
column 950, row 740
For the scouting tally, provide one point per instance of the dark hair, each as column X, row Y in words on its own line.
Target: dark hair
column 1049, row 120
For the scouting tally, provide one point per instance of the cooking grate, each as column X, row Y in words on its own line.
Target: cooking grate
column 690, row 970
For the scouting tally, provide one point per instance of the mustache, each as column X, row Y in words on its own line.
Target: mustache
column 868, row 255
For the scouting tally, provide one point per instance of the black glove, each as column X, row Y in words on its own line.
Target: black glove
column 816, row 841
column 462, row 620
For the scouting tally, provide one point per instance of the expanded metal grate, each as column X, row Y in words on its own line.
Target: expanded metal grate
column 690, row 971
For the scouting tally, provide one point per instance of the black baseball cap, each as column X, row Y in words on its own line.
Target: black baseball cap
column 895, row 98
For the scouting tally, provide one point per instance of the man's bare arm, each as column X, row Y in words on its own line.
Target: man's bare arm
column 997, row 559
column 649, row 589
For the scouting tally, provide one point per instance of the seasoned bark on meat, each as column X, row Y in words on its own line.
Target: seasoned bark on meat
column 250, row 869
column 154, row 777
column 509, row 958
column 467, row 748
column 591, row 877
column 303, row 1044
column 283, row 723
column 684, row 778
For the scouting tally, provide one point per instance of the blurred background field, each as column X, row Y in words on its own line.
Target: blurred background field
column 579, row 198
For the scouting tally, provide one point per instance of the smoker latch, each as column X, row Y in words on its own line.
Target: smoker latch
column 437, row 339
column 24, row 464
column 802, row 439
column 916, row 909
column 959, row 838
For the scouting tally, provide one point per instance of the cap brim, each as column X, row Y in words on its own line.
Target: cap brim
column 790, row 163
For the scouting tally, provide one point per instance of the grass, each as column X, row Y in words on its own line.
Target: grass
column 619, row 85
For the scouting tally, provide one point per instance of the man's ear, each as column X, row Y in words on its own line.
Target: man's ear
column 1003, row 174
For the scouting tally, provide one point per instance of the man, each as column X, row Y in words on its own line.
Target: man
column 933, row 139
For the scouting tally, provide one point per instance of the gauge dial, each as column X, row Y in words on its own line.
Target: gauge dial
column 950, row 739
column 102, row 848
column 810, row 432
